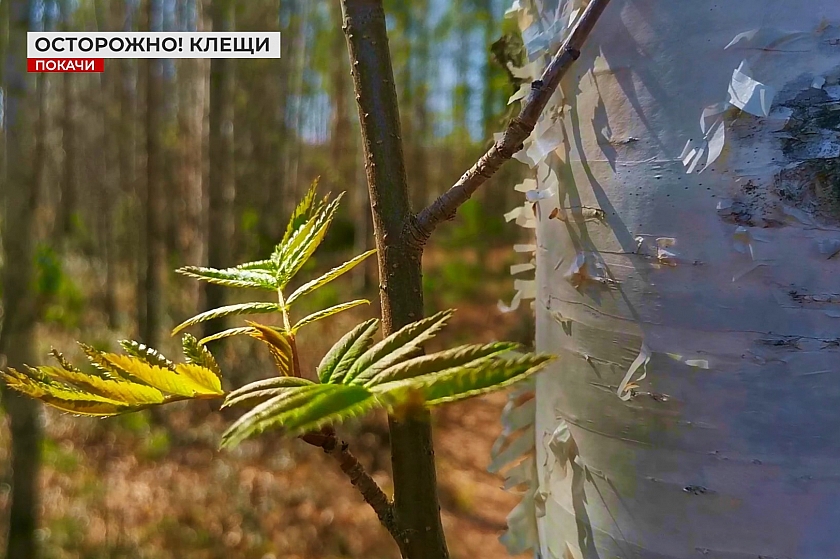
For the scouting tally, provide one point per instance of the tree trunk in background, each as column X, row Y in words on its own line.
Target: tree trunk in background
column 109, row 160
column 129, row 239
column 155, row 262
column 422, row 193
column 221, row 183
column 19, row 197
column 191, row 104
column 342, row 145
column 69, row 181
column 401, row 287
column 275, row 191
column 719, row 285
column 298, row 77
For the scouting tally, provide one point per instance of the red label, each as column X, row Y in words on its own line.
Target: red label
column 65, row 64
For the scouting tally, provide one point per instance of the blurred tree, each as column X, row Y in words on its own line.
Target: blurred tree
column 152, row 285
column 221, row 190
column 20, row 200
column 69, row 180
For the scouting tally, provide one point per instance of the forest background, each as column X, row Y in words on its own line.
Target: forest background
column 127, row 190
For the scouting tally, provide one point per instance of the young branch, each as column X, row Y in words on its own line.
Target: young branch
column 359, row 478
column 419, row 228
column 416, row 504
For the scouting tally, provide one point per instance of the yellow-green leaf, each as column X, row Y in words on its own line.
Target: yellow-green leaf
column 195, row 352
column 165, row 380
column 312, row 285
column 117, row 390
column 206, row 381
column 62, row 396
column 335, row 309
column 278, row 345
column 232, row 277
column 230, row 332
column 240, row 308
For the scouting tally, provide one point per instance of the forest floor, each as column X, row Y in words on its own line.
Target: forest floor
column 155, row 486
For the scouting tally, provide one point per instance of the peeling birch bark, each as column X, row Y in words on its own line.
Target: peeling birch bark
column 699, row 323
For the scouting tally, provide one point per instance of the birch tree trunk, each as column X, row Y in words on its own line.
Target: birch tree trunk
column 688, row 283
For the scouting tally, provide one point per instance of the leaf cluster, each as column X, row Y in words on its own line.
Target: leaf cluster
column 119, row 383
column 357, row 375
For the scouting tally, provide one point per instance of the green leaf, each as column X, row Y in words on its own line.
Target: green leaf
column 302, row 410
column 231, row 277
column 303, row 212
column 311, row 286
column 458, row 383
column 146, row 353
column 294, row 253
column 240, row 308
column 258, row 266
column 343, row 354
column 399, row 346
column 262, row 390
column 227, row 334
column 335, row 309
column 195, row 352
column 278, row 344
column 463, row 356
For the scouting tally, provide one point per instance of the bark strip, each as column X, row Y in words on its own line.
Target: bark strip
column 419, row 228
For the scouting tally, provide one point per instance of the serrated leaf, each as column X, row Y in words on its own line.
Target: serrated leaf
column 230, row 332
column 231, row 277
column 208, row 380
column 399, row 346
column 458, row 383
column 324, row 313
column 163, row 379
column 462, row 356
column 229, row 310
column 146, row 353
column 302, row 410
column 303, row 212
column 294, row 253
column 119, row 391
column 262, row 390
column 195, row 352
column 258, row 265
column 278, row 345
column 343, row 354
column 60, row 395
column 312, row 285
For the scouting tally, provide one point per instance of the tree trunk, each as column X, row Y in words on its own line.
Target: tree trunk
column 221, row 183
column 69, row 182
column 696, row 317
column 401, row 288
column 152, row 285
column 191, row 107
column 109, row 157
column 19, row 202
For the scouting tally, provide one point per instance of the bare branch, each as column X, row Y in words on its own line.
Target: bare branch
column 373, row 495
column 419, row 228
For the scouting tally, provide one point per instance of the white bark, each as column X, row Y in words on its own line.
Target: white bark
column 718, row 285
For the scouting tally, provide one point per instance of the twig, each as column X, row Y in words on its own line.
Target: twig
column 419, row 228
column 373, row 495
